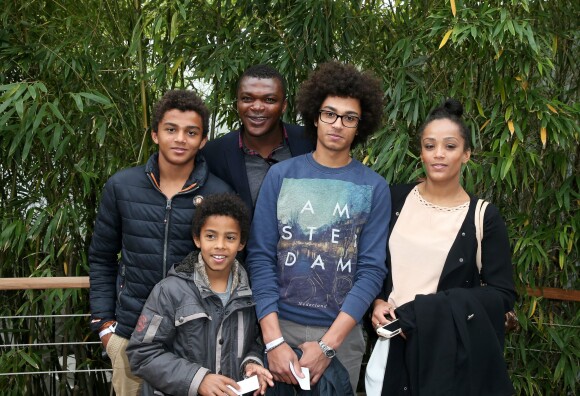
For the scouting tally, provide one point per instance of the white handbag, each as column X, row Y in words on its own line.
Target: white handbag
column 375, row 371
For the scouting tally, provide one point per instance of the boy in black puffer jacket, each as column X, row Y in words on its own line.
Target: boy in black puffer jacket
column 143, row 225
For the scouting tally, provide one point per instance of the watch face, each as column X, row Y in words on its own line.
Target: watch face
column 328, row 351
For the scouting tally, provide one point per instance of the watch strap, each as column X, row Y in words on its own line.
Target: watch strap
column 108, row 330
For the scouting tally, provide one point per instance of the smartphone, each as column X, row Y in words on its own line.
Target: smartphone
column 390, row 329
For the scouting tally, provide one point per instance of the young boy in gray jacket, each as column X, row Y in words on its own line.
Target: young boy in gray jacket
column 198, row 331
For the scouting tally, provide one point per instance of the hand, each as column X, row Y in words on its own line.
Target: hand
column 217, row 385
column 383, row 313
column 314, row 359
column 278, row 362
column 264, row 377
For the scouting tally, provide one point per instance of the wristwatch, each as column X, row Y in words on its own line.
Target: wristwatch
column 328, row 351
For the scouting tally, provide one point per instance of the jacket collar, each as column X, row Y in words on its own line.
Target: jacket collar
column 192, row 268
column 197, row 178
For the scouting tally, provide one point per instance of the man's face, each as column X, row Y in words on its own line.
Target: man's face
column 179, row 137
column 335, row 136
column 260, row 105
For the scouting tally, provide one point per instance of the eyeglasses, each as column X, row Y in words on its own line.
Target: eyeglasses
column 329, row 117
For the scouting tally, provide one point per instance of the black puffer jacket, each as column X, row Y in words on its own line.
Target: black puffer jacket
column 150, row 231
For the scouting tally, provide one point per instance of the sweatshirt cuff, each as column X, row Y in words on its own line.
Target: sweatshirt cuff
column 266, row 306
column 355, row 307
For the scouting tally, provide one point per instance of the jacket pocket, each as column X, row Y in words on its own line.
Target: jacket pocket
column 193, row 326
column 182, row 318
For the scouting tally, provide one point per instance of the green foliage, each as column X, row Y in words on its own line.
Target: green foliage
column 78, row 80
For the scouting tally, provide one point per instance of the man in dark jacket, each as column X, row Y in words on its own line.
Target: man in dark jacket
column 243, row 157
column 145, row 214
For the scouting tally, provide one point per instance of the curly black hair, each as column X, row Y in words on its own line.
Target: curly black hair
column 263, row 71
column 451, row 109
column 182, row 100
column 345, row 81
column 222, row 205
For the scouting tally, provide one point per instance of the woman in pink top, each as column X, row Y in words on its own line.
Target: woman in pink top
column 450, row 314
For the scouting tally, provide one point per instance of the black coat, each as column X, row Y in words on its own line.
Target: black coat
column 226, row 158
column 436, row 323
column 151, row 232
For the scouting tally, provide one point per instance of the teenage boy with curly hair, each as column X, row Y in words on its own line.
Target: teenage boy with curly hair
column 145, row 215
column 316, row 252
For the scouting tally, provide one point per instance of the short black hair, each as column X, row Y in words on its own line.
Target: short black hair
column 263, row 71
column 182, row 100
column 345, row 81
column 222, row 205
column 452, row 110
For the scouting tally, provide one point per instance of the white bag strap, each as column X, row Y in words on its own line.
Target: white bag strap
column 479, row 214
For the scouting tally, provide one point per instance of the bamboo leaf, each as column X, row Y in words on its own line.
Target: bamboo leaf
column 101, row 132
column 176, row 65
column 508, row 113
column 479, row 108
column 515, row 147
column 543, row 137
column 533, row 307
column 28, row 359
column 78, row 101
column 56, row 111
column 552, row 108
column 19, row 106
column 530, row 35
column 31, row 91
column 96, row 97
column 445, row 38
column 174, row 27
column 486, row 123
column 511, row 127
column 506, row 166
column 453, row 9
column 39, row 117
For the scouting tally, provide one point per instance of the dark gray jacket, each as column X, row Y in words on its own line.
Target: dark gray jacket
column 185, row 332
column 150, row 231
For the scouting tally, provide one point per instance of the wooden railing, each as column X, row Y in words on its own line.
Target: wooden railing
column 60, row 282
column 82, row 282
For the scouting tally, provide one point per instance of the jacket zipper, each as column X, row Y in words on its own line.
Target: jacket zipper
column 166, row 237
column 166, row 220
